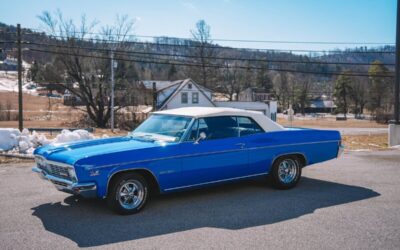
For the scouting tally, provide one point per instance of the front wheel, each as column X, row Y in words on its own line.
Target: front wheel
column 286, row 172
column 128, row 193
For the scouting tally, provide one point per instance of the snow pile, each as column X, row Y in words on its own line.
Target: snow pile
column 76, row 135
column 8, row 138
column 12, row 141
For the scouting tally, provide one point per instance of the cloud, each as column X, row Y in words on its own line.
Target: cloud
column 138, row 19
column 189, row 5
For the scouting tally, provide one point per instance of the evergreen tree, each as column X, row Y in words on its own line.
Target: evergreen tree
column 342, row 93
column 379, row 89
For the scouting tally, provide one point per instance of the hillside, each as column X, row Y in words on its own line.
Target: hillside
column 289, row 76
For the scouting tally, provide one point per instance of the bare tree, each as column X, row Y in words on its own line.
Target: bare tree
column 281, row 89
column 88, row 78
column 204, row 50
column 358, row 94
column 302, row 91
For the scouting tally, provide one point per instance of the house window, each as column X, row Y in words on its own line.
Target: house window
column 195, row 97
column 189, row 86
column 184, row 97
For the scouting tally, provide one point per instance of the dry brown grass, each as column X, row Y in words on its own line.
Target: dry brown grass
column 4, row 160
column 367, row 142
column 36, row 111
column 331, row 123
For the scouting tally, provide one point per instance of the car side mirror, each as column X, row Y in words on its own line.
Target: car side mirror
column 202, row 136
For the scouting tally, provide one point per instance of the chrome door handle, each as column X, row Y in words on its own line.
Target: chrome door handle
column 241, row 145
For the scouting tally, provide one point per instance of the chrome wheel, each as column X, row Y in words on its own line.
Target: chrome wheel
column 287, row 171
column 131, row 194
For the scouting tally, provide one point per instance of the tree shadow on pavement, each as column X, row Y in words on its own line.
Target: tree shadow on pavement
column 232, row 206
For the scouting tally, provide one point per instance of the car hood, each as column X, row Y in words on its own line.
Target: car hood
column 69, row 153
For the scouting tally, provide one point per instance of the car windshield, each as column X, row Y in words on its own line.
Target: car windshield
column 162, row 127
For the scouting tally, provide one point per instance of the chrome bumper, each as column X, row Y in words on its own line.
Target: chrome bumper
column 340, row 151
column 87, row 190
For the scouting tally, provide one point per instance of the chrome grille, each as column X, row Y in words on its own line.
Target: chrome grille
column 58, row 171
column 55, row 170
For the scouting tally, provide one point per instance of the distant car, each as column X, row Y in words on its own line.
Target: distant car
column 183, row 149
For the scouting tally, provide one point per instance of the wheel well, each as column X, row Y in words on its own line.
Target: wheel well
column 299, row 156
column 150, row 178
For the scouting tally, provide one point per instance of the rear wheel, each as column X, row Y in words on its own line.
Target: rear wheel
column 286, row 172
column 128, row 193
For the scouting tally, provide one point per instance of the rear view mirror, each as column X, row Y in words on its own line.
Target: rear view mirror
column 202, row 136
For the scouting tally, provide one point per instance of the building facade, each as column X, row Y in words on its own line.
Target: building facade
column 187, row 93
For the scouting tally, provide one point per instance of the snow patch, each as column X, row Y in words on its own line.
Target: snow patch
column 13, row 142
column 76, row 135
column 9, row 83
column 8, row 138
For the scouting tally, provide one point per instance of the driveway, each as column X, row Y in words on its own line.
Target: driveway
column 352, row 202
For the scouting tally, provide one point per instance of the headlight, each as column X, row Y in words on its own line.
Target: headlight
column 72, row 174
column 40, row 161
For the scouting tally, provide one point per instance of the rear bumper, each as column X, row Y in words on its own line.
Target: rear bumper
column 87, row 190
column 340, row 151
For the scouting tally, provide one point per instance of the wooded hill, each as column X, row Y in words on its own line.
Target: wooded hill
column 293, row 77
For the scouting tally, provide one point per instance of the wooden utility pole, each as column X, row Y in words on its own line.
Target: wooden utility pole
column 154, row 96
column 394, row 127
column 20, row 109
column 397, row 77
column 112, row 90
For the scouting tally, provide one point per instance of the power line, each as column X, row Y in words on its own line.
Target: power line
column 211, row 46
column 231, row 40
column 207, row 65
column 205, row 57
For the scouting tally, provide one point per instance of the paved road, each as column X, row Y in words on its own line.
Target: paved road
column 352, row 202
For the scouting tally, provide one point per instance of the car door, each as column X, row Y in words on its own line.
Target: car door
column 222, row 155
column 257, row 141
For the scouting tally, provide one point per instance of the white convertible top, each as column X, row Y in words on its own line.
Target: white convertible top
column 199, row 112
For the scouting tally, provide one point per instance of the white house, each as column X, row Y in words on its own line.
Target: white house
column 187, row 93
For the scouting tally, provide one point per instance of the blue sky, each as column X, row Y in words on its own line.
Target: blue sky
column 293, row 20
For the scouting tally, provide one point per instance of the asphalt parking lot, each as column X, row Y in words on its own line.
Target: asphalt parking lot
column 352, row 202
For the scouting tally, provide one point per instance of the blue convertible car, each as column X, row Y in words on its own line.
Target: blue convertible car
column 181, row 149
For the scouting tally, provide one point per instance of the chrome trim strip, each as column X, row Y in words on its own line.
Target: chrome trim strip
column 188, row 130
column 129, row 169
column 207, row 153
column 211, row 182
column 59, row 164
column 293, row 144
column 291, row 153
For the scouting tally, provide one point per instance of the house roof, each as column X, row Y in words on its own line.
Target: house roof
column 160, row 85
column 198, row 112
column 183, row 84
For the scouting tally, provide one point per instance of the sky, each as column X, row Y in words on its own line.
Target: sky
column 283, row 20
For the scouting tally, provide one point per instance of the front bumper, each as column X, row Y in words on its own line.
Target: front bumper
column 340, row 151
column 87, row 190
